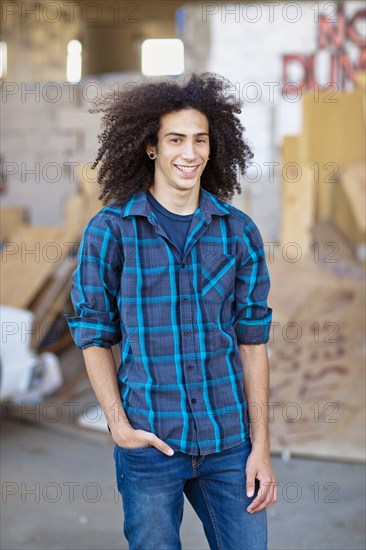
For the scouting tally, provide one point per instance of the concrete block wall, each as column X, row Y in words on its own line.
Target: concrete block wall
column 45, row 142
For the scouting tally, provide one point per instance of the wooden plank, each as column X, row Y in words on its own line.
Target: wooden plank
column 74, row 212
column 333, row 136
column 349, row 208
column 30, row 256
column 297, row 196
column 50, row 292
column 79, row 209
column 10, row 218
column 44, row 324
column 343, row 218
column 353, row 182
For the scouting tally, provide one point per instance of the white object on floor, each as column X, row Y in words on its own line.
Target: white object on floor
column 25, row 376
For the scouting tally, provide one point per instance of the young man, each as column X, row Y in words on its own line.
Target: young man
column 178, row 278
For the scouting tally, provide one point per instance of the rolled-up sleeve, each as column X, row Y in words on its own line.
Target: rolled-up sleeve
column 95, row 287
column 253, row 317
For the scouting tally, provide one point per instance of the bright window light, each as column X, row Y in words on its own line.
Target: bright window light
column 73, row 67
column 3, row 59
column 162, row 57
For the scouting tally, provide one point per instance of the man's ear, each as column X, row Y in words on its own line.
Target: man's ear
column 149, row 148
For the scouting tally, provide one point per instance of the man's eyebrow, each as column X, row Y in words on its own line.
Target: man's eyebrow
column 184, row 135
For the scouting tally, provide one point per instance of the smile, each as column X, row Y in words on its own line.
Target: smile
column 187, row 169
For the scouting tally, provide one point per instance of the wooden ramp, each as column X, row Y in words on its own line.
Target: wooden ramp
column 317, row 360
column 37, row 261
column 349, row 208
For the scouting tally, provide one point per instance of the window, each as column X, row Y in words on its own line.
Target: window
column 73, row 68
column 160, row 57
column 3, row 59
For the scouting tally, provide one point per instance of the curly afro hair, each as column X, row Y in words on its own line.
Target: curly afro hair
column 131, row 120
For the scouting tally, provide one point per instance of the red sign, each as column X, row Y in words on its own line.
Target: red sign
column 334, row 37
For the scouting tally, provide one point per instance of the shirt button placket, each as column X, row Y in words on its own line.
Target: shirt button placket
column 186, row 320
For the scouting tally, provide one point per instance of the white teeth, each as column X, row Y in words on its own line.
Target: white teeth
column 187, row 168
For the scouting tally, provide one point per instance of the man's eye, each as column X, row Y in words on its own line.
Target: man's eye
column 175, row 140
column 201, row 141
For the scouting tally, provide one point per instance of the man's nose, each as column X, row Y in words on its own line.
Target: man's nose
column 188, row 151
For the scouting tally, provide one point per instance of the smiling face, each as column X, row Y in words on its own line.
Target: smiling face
column 182, row 151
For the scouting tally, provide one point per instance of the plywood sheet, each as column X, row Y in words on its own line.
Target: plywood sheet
column 298, row 194
column 292, row 284
column 353, row 181
column 333, row 136
column 334, row 127
column 297, row 205
column 30, row 256
column 318, row 376
column 10, row 218
column 79, row 209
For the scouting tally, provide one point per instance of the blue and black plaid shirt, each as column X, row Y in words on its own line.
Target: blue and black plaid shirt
column 177, row 319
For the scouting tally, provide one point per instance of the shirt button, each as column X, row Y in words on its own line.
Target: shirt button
column 193, row 400
column 183, row 265
column 187, row 332
column 185, row 299
column 189, row 367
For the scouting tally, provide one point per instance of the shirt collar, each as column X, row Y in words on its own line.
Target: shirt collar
column 209, row 204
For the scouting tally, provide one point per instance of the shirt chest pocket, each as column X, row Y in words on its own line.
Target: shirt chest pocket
column 218, row 277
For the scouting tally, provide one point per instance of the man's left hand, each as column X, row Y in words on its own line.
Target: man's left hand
column 259, row 467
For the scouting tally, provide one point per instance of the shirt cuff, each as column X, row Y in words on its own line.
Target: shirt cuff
column 92, row 331
column 254, row 331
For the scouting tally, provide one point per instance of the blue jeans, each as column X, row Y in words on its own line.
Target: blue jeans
column 152, row 485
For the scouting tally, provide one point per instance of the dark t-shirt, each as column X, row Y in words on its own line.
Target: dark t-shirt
column 176, row 226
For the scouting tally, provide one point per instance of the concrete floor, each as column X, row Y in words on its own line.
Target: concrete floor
column 59, row 489
column 59, row 492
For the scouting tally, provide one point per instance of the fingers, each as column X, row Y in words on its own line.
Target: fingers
column 266, row 496
column 250, row 485
column 134, row 438
column 159, row 444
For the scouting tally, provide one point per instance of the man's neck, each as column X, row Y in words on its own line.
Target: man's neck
column 179, row 202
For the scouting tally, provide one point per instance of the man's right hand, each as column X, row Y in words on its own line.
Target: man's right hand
column 140, row 438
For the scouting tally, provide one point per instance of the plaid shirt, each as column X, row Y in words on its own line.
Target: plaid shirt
column 178, row 320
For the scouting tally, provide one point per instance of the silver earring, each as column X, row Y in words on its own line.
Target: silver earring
column 152, row 156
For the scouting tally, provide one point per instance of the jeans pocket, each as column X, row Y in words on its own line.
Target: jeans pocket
column 135, row 449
